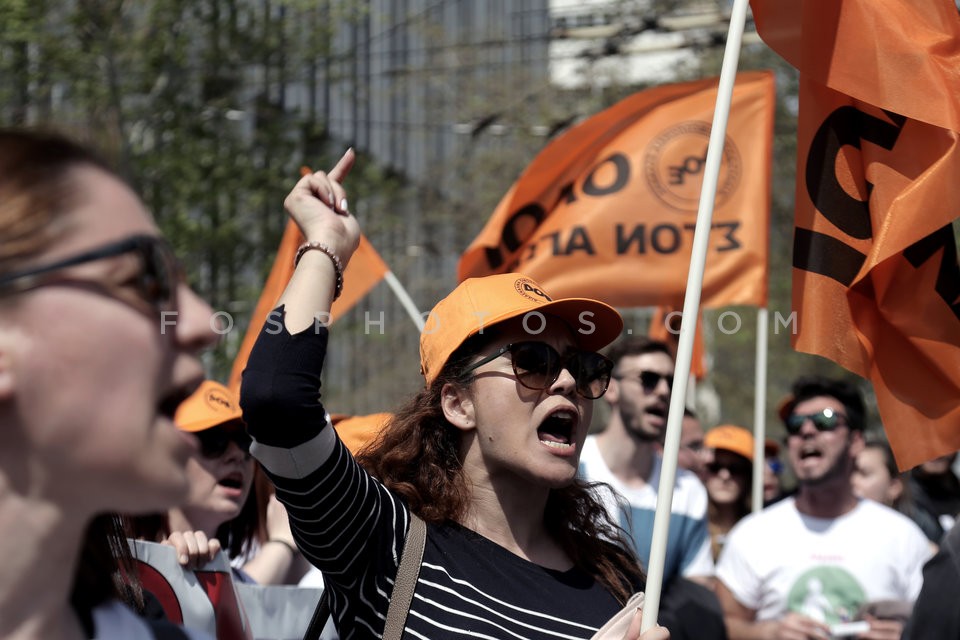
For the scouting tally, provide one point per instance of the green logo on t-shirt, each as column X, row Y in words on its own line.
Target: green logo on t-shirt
column 826, row 594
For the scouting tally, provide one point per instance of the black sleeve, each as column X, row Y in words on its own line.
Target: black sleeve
column 344, row 521
column 691, row 611
column 935, row 613
column 280, row 388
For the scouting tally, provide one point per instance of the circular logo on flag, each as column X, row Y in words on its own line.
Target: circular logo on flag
column 675, row 162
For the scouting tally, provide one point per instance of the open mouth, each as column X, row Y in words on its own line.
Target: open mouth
column 557, row 430
column 232, row 481
column 658, row 411
column 808, row 453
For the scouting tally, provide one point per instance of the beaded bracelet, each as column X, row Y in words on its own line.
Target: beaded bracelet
column 337, row 264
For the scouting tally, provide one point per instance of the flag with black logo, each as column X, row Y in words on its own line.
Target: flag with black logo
column 608, row 209
column 876, row 284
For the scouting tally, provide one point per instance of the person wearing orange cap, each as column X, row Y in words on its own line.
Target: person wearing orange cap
column 728, row 478
column 486, row 453
column 222, row 510
column 221, row 481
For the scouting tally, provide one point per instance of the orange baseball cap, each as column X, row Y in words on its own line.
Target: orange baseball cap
column 731, row 438
column 478, row 303
column 356, row 432
column 211, row 405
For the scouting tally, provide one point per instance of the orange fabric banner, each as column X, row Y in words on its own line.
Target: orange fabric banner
column 365, row 269
column 665, row 327
column 608, row 209
column 876, row 283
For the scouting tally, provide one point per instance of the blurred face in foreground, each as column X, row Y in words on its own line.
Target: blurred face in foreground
column 86, row 366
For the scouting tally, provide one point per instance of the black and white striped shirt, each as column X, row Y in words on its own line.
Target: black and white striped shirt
column 353, row 528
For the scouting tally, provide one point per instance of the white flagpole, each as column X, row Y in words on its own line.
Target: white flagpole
column 691, row 311
column 405, row 299
column 759, row 409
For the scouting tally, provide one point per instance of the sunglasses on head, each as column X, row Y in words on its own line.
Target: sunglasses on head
column 156, row 280
column 537, row 365
column 735, row 468
column 214, row 442
column 825, row 420
column 647, row 379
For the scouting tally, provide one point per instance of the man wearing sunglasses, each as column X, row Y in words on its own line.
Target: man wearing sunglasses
column 805, row 566
column 626, row 456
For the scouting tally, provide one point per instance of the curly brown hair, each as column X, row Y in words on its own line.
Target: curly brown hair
column 417, row 455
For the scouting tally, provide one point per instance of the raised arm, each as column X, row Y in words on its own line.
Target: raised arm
column 343, row 521
column 318, row 204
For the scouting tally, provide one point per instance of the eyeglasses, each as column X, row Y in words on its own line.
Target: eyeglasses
column 696, row 446
column 647, row 379
column 735, row 468
column 825, row 420
column 537, row 365
column 775, row 465
column 214, row 442
column 156, row 280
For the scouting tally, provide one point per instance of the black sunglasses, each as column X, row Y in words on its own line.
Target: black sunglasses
column 215, row 441
column 537, row 365
column 825, row 420
column 735, row 468
column 157, row 278
column 647, row 379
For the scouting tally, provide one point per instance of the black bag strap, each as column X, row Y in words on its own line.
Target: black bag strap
column 403, row 587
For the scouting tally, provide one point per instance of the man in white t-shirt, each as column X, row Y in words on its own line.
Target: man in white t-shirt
column 626, row 456
column 805, row 566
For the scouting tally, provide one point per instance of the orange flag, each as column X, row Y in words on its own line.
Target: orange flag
column 876, row 283
column 665, row 327
column 608, row 209
column 365, row 269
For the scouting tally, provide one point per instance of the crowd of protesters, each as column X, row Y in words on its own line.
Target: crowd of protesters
column 530, row 527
